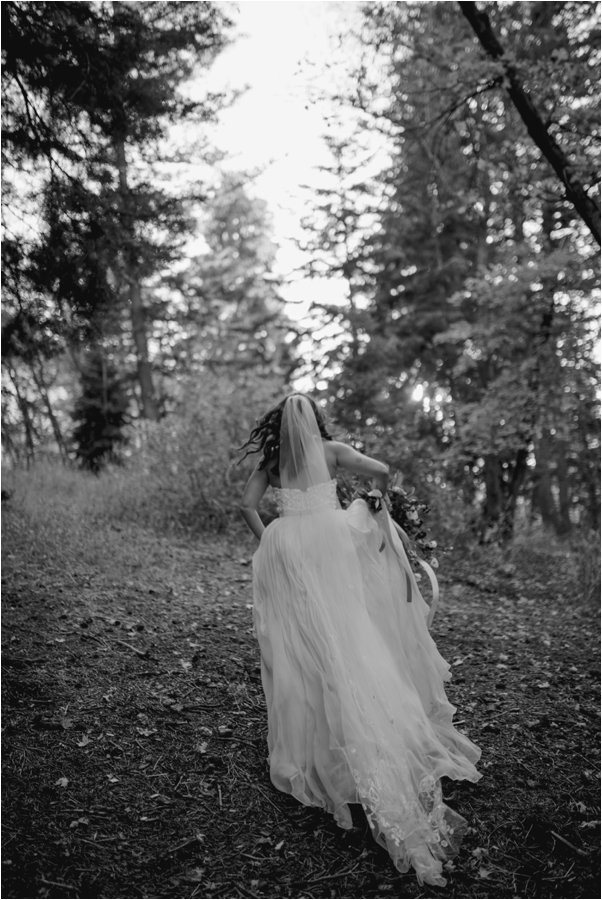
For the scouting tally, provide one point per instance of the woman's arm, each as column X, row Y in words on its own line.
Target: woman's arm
column 255, row 489
column 354, row 461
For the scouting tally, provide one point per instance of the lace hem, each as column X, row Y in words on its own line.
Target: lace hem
column 421, row 833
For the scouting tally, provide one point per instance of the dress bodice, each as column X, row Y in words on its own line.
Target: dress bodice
column 294, row 502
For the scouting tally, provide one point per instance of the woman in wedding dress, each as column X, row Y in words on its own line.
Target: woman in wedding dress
column 353, row 681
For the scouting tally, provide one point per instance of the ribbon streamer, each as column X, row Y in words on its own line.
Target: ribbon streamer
column 433, row 605
column 435, row 589
column 382, row 516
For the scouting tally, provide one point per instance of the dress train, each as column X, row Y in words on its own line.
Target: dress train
column 357, row 711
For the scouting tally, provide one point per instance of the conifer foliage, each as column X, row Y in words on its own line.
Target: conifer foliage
column 473, row 351
column 100, row 414
column 90, row 90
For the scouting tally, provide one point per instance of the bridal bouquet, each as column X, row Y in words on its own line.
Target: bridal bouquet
column 408, row 512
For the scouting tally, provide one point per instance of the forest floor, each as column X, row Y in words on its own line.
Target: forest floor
column 135, row 731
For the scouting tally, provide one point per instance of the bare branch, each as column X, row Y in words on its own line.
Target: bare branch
column 575, row 191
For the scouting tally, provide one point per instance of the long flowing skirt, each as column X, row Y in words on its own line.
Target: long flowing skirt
column 357, row 711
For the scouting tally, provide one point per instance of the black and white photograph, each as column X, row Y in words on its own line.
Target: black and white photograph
column 300, row 449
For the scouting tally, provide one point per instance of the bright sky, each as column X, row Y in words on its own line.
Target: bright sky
column 287, row 53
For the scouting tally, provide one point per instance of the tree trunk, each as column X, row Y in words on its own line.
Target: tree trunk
column 501, row 496
column 591, row 476
column 593, row 505
column 493, row 502
column 575, row 191
column 564, row 498
column 43, row 392
column 9, row 445
column 512, row 491
column 348, row 271
column 24, row 410
column 134, row 294
column 543, row 498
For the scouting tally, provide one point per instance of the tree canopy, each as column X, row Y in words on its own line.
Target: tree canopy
column 460, row 217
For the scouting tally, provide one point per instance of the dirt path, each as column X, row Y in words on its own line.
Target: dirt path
column 134, row 730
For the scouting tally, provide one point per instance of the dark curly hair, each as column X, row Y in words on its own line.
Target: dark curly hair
column 265, row 437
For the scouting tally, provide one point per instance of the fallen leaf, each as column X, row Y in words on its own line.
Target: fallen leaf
column 194, row 875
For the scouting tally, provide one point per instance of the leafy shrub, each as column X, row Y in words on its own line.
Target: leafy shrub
column 179, row 474
column 182, row 472
column 575, row 560
column 414, row 469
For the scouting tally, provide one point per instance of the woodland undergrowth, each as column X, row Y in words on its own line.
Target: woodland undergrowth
column 134, row 750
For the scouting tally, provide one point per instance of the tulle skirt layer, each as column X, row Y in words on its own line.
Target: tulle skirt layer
column 357, row 712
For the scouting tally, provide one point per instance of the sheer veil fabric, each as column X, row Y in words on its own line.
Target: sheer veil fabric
column 302, row 461
column 357, row 711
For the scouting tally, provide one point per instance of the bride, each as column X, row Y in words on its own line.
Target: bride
column 353, row 681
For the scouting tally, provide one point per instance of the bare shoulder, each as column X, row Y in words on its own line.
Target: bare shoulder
column 331, row 455
column 335, row 452
column 331, row 447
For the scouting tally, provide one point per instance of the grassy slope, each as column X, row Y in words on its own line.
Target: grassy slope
column 134, row 724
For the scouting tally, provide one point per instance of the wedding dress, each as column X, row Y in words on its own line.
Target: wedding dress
column 357, row 712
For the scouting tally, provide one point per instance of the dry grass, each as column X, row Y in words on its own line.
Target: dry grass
column 134, row 721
